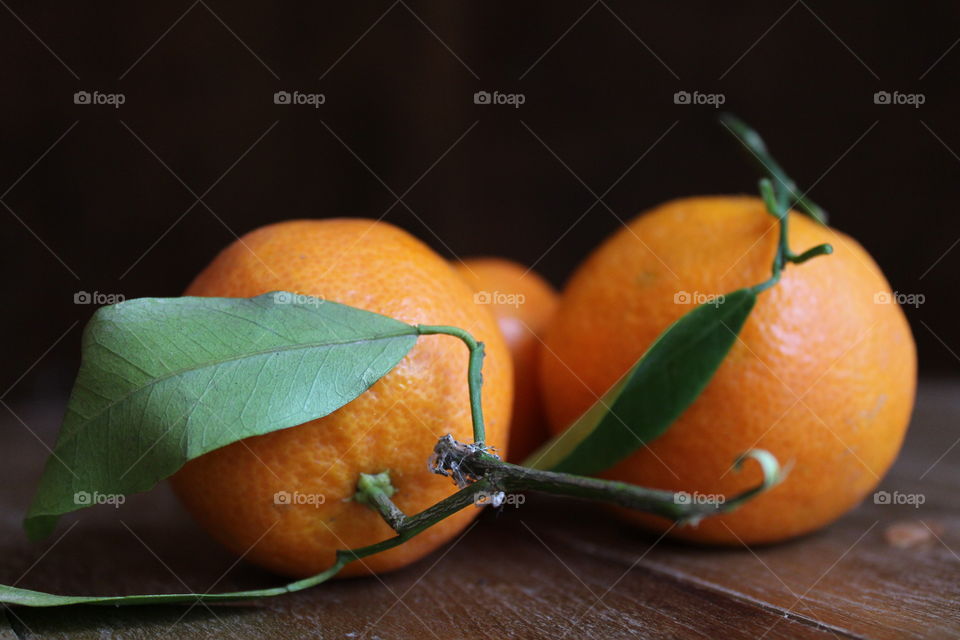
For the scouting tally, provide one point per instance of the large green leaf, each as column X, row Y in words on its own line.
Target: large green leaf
column 659, row 387
column 164, row 380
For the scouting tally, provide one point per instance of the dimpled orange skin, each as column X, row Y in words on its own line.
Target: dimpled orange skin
column 523, row 305
column 392, row 426
column 823, row 376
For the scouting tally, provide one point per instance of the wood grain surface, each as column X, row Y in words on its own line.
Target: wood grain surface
column 549, row 569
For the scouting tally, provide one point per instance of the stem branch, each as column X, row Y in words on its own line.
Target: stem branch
column 464, row 461
column 375, row 491
column 779, row 209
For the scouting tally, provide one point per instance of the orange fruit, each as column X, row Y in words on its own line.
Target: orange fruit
column 823, row 374
column 392, row 426
column 523, row 303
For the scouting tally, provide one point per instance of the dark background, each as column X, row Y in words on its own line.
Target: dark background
column 103, row 199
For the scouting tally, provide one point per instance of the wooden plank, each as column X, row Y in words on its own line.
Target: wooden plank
column 848, row 576
column 500, row 581
column 547, row 569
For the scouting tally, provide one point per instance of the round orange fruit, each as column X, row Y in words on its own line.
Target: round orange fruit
column 523, row 303
column 392, row 426
column 823, row 373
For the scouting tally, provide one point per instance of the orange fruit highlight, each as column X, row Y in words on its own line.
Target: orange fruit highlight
column 392, row 426
column 523, row 303
column 823, row 374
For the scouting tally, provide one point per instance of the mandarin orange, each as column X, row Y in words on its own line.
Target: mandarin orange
column 392, row 426
column 823, row 373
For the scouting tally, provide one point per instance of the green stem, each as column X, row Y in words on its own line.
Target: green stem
column 405, row 526
column 474, row 372
column 779, row 209
column 813, row 252
column 456, row 459
column 785, row 187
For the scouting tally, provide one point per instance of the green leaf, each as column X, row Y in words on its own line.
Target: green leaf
column 165, row 380
column 659, row 387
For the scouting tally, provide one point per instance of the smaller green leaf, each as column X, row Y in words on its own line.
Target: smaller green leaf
column 165, row 380
column 653, row 394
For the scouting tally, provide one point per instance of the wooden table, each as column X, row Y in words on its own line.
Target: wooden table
column 549, row 569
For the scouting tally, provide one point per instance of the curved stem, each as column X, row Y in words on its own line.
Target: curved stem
column 779, row 209
column 474, row 372
column 813, row 252
column 786, row 188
